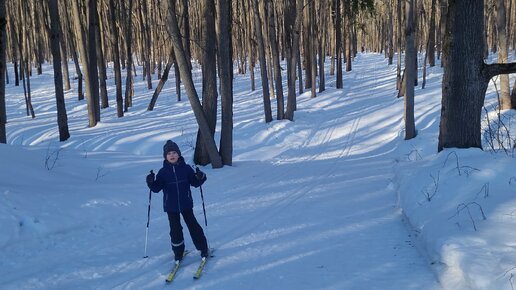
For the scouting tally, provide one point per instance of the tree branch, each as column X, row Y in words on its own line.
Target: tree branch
column 491, row 70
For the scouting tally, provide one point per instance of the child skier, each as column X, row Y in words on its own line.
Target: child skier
column 175, row 179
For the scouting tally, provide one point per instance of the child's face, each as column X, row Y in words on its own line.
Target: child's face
column 172, row 157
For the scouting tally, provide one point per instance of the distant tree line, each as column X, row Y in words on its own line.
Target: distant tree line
column 226, row 36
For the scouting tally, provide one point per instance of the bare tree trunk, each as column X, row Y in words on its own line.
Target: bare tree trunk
column 280, row 113
column 14, row 45
column 442, row 28
column 62, row 119
column 129, row 91
column 465, row 77
column 209, row 79
column 338, row 43
column 92, row 56
column 323, row 18
column 25, row 62
column 38, row 34
column 251, row 45
column 307, row 41
column 431, row 36
column 115, row 38
column 101, row 66
column 292, row 23
column 162, row 81
column 145, row 42
column 410, row 70
column 390, row 32
column 513, row 96
column 226, row 80
column 501, row 25
column 398, row 65
column 3, row 40
column 73, row 50
column 185, row 30
column 186, row 76
column 64, row 56
column 83, row 51
column 263, row 65
column 313, row 50
column 299, row 60
column 178, row 77
column 349, row 41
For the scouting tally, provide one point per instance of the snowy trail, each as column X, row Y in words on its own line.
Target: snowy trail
column 307, row 205
column 350, row 231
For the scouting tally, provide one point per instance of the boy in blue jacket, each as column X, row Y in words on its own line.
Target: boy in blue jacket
column 175, row 179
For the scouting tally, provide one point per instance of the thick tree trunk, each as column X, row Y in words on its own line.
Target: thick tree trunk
column 209, row 79
column 186, row 76
column 62, row 119
column 226, row 80
column 466, row 76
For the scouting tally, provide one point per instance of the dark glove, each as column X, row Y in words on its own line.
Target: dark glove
column 150, row 179
column 201, row 176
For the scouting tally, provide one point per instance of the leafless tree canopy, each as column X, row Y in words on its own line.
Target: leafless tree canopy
column 288, row 39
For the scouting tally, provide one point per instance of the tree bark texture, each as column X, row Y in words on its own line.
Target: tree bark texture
column 465, row 77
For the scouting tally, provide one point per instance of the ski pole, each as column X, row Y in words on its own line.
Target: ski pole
column 202, row 198
column 204, row 211
column 148, row 220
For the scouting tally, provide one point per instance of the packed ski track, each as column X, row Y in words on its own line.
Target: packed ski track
column 308, row 204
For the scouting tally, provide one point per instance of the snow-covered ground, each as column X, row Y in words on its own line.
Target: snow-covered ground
column 335, row 200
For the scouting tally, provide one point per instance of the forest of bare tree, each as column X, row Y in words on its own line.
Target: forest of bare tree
column 292, row 39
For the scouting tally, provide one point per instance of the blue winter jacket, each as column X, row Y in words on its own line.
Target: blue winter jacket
column 175, row 181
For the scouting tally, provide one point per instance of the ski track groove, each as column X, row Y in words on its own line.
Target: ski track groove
column 289, row 200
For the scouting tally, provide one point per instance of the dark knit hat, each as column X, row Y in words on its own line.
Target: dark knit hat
column 170, row 146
